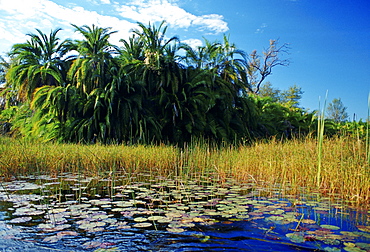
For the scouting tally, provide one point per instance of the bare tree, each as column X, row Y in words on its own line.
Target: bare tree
column 260, row 66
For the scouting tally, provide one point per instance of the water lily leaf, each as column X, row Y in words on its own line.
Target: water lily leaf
column 174, row 214
column 20, row 220
column 354, row 249
column 275, row 218
column 197, row 219
column 363, row 245
column 110, row 220
column 57, row 210
column 106, row 250
column 350, row 234
column 175, row 230
column 277, row 212
column 331, row 227
column 308, row 221
column 100, row 216
column 364, row 228
column 142, row 225
column 330, row 249
column 164, row 220
column 294, row 237
column 92, row 244
column 52, row 239
column 69, row 233
column 154, row 217
column 27, row 211
column 91, row 225
column 56, row 228
column 140, row 219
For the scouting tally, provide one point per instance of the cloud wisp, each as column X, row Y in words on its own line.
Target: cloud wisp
column 145, row 11
column 19, row 17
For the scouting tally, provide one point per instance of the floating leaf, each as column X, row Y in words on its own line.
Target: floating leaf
column 142, row 225
column 353, row 249
column 69, row 233
column 331, row 227
column 175, row 230
column 92, row 244
column 294, row 237
column 164, row 220
column 363, row 245
column 140, row 219
column 57, row 210
column 277, row 212
column 155, row 217
column 329, row 249
column 364, row 228
column 100, row 216
column 52, row 239
column 20, row 220
column 308, row 221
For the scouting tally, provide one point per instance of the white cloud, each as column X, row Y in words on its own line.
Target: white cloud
column 19, row 17
column 193, row 43
column 157, row 10
column 24, row 16
column 97, row 2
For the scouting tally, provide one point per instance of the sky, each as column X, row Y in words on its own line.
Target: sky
column 329, row 41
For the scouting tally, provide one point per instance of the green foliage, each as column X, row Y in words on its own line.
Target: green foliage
column 150, row 90
column 36, row 63
column 290, row 97
column 282, row 119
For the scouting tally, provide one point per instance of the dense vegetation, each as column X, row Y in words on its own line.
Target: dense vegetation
column 148, row 90
column 156, row 90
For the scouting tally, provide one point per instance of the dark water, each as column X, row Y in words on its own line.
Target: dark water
column 75, row 214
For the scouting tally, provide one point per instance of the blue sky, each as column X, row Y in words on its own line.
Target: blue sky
column 329, row 40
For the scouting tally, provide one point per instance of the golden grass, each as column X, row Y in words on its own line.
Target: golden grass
column 290, row 165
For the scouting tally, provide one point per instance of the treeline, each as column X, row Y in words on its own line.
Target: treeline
column 149, row 89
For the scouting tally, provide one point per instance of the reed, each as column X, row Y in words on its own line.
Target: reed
column 290, row 165
column 367, row 130
column 320, row 137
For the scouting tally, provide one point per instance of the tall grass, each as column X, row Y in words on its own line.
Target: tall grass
column 367, row 130
column 290, row 165
column 320, row 137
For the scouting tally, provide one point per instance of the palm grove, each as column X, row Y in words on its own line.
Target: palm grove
column 147, row 90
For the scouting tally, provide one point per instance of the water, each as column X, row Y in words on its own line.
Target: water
column 71, row 213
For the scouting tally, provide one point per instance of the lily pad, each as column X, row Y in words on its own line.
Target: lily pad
column 364, row 228
column 331, row 227
column 175, row 230
column 140, row 219
column 295, row 237
column 20, row 220
column 142, row 225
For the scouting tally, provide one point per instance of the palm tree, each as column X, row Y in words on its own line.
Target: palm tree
column 36, row 63
column 91, row 68
column 152, row 63
column 231, row 110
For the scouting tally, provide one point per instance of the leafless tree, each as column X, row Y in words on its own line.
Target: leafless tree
column 260, row 66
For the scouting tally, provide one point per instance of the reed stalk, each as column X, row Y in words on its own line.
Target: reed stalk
column 367, row 131
column 320, row 139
